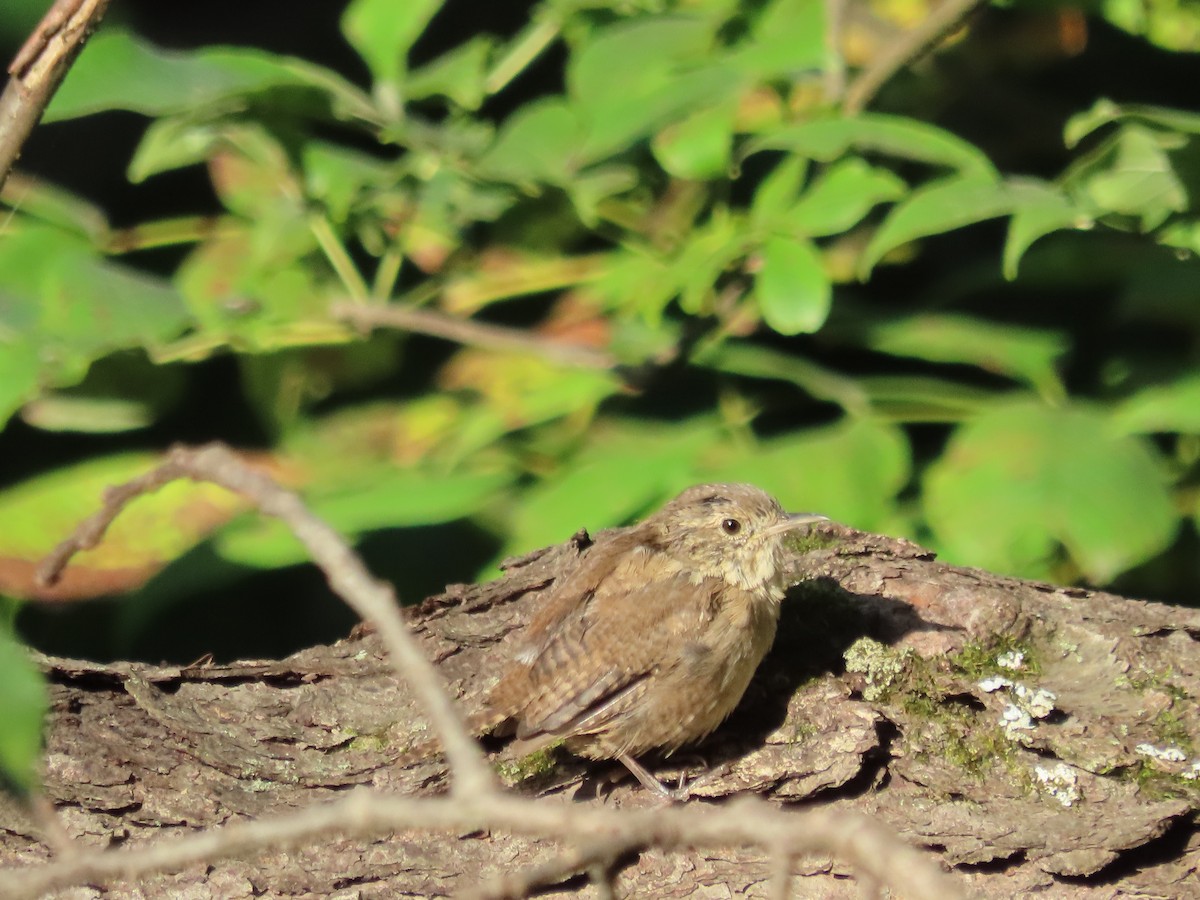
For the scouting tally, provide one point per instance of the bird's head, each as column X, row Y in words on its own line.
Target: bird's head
column 730, row 531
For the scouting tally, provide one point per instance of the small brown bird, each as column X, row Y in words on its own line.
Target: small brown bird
column 650, row 643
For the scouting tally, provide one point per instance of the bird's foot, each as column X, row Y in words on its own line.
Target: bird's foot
column 667, row 795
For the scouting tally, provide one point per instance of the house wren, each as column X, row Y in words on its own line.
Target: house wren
column 650, row 643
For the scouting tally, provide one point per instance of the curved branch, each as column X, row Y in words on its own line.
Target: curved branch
column 39, row 68
column 911, row 47
column 374, row 601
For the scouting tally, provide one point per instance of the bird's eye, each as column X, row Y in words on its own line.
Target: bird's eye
column 731, row 526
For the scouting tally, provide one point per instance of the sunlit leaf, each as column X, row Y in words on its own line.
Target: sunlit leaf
column 943, row 206
column 850, row 471
column 118, row 71
column 788, row 37
column 121, row 392
column 523, row 388
column 1170, row 24
column 1024, row 353
column 828, row 139
column 458, row 74
column 791, row 287
column 383, row 31
column 675, row 76
column 1170, row 407
column 842, row 196
column 170, row 143
column 538, row 143
column 36, row 514
column 1037, row 218
column 708, row 251
column 378, row 497
column 699, row 146
column 649, row 463
column 20, row 367
column 337, row 177
column 757, row 361
column 23, row 706
column 777, row 192
column 1141, row 182
column 63, row 306
column 1019, row 481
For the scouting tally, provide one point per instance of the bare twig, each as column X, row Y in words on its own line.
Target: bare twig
column 597, row 834
column 835, row 71
column 782, row 860
column 38, row 69
column 373, row 600
column 471, row 333
column 911, row 47
column 869, row 847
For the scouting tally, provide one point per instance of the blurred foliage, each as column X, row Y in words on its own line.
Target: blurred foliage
column 670, row 185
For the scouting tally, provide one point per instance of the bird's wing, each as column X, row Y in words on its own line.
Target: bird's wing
column 600, row 657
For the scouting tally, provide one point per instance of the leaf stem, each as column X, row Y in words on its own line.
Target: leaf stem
column 523, row 51
column 336, row 253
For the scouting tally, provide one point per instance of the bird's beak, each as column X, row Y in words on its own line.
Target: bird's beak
column 794, row 521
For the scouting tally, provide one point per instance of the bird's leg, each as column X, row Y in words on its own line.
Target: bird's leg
column 651, row 783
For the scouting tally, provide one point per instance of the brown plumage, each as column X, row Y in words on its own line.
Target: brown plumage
column 650, row 643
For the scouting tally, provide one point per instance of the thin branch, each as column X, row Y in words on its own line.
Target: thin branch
column 780, row 885
column 866, row 845
column 338, row 258
column 523, row 51
column 38, row 69
column 835, row 70
column 471, row 333
column 373, row 600
column 912, row 46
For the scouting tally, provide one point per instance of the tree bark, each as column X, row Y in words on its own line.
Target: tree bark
column 1035, row 738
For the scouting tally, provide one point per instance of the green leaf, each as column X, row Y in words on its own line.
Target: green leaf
column 938, row 207
column 24, row 703
column 709, row 249
column 458, row 74
column 699, row 147
column 1105, row 112
column 1171, row 24
column 633, row 78
column 827, row 139
column 538, row 143
column 378, row 497
column 383, row 31
column 172, row 143
column 20, row 368
column 121, row 392
column 649, row 463
column 262, row 266
column 791, row 288
column 38, row 513
column 1037, row 218
column 850, row 471
column 777, row 192
column 1080, row 125
column 1018, row 481
column 339, row 178
column 1171, row 407
column 915, row 399
column 1026, row 354
column 787, row 38
column 842, row 196
column 63, row 306
column 118, row 71
column 1142, row 181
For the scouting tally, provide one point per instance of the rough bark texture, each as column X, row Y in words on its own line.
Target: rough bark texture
column 1037, row 739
